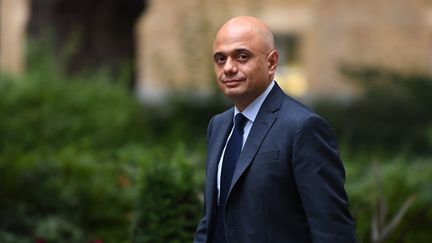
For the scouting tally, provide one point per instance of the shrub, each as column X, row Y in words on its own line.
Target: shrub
column 71, row 152
column 399, row 180
column 69, row 195
column 46, row 113
column 392, row 114
column 168, row 207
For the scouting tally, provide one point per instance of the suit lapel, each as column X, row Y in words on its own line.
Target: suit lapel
column 262, row 124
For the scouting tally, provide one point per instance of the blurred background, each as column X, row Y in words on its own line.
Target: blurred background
column 104, row 107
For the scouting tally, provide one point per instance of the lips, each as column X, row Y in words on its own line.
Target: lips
column 232, row 80
column 230, row 83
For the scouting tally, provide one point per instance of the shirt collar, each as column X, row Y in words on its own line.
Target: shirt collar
column 251, row 111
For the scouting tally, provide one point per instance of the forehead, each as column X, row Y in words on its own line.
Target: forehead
column 231, row 39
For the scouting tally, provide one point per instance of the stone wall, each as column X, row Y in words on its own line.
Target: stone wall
column 13, row 21
column 172, row 41
column 177, row 39
column 387, row 33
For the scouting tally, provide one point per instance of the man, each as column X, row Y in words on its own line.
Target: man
column 273, row 169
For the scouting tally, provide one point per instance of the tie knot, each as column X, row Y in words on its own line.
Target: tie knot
column 240, row 120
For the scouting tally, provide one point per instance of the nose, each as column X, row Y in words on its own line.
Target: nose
column 230, row 67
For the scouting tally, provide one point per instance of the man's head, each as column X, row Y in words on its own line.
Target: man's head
column 245, row 59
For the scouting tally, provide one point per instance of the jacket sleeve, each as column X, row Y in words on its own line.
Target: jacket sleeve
column 202, row 229
column 201, row 232
column 320, row 177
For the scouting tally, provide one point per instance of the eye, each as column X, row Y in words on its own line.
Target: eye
column 219, row 59
column 243, row 57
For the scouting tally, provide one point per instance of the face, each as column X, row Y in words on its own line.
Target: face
column 244, row 63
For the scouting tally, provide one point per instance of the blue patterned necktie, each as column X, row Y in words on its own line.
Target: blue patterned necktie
column 232, row 154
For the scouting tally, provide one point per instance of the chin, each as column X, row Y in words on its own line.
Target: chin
column 234, row 92
column 234, row 96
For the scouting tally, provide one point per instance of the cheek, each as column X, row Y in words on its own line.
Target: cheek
column 244, row 70
column 249, row 72
column 218, row 72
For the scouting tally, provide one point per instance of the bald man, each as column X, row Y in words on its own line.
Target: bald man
column 273, row 168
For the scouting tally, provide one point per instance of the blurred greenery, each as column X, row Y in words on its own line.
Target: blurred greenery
column 167, row 202
column 76, row 154
column 392, row 114
column 81, row 160
column 401, row 177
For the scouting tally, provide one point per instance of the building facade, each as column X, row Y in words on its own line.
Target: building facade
column 314, row 37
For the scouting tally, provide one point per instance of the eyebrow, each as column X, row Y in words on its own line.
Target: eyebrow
column 237, row 50
column 218, row 54
column 241, row 50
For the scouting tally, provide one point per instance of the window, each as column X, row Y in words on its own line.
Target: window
column 290, row 74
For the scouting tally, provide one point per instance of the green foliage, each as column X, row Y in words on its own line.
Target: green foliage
column 67, row 195
column 93, row 109
column 73, row 153
column 168, row 202
column 400, row 179
column 392, row 114
column 54, row 113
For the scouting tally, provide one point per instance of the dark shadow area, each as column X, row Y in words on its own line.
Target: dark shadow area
column 101, row 31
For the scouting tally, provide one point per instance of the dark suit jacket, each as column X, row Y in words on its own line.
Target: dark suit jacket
column 288, row 185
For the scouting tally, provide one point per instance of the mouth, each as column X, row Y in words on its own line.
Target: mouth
column 230, row 83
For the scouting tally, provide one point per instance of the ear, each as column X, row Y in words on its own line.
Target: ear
column 272, row 61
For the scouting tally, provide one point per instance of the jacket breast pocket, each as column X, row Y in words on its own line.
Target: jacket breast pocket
column 267, row 157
